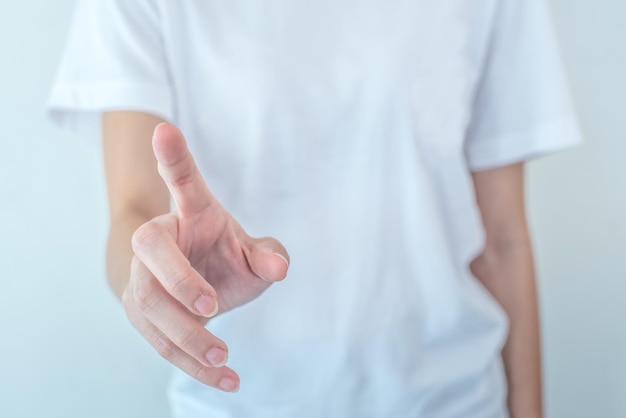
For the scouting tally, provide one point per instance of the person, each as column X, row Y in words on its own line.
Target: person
column 383, row 143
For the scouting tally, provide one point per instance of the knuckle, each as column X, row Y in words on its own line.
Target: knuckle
column 197, row 372
column 145, row 236
column 203, row 374
column 164, row 347
column 128, row 302
column 188, row 337
column 179, row 280
column 183, row 171
column 126, row 298
column 146, row 296
column 135, row 265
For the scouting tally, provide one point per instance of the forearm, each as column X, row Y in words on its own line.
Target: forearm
column 119, row 249
column 507, row 271
column 135, row 190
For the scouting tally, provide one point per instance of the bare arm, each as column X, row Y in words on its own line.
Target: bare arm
column 506, row 269
column 136, row 191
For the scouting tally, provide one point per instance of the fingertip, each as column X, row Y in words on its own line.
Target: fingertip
column 162, row 125
column 216, row 357
column 267, row 258
column 229, row 383
column 270, row 266
column 282, row 257
column 162, row 130
column 281, row 267
column 167, row 142
column 206, row 306
column 222, row 378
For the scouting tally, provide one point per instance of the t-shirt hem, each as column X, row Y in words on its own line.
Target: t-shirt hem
column 77, row 106
column 550, row 137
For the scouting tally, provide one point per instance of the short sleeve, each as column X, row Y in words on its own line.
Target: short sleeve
column 113, row 60
column 522, row 107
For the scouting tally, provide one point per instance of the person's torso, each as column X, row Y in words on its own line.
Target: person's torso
column 338, row 127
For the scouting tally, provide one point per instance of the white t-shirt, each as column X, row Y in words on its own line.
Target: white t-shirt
column 348, row 130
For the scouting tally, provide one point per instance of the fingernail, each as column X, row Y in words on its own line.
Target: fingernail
column 206, row 306
column 228, row 384
column 282, row 257
column 216, row 357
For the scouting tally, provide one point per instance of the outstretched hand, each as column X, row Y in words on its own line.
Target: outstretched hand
column 192, row 264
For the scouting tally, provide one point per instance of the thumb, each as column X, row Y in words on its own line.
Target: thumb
column 267, row 258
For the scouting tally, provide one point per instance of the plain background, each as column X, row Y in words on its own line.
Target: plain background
column 65, row 347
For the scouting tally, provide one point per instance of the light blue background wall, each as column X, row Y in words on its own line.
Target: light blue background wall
column 65, row 347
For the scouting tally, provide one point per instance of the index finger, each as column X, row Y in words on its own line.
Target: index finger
column 179, row 171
